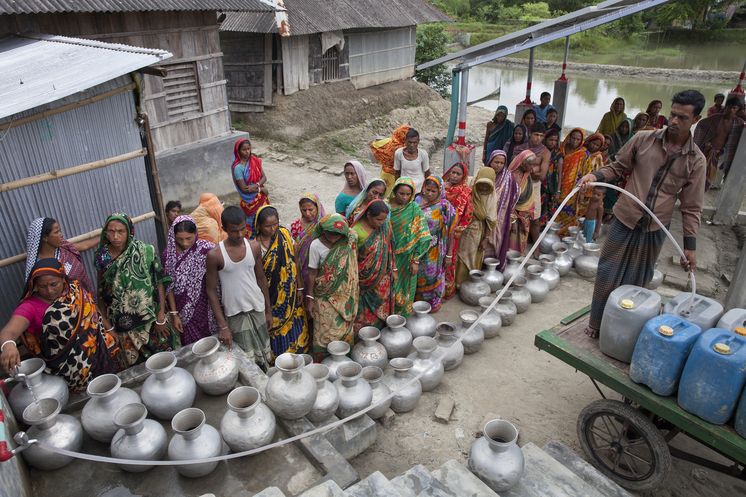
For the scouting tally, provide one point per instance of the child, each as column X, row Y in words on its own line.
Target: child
column 594, row 214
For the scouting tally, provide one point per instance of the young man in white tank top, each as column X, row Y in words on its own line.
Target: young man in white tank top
column 245, row 313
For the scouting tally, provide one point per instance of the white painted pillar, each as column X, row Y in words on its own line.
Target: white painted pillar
column 461, row 140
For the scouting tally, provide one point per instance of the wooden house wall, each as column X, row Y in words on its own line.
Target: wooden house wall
column 192, row 38
column 315, row 70
column 247, row 60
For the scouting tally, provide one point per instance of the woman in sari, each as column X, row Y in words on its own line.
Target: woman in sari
column 249, row 179
column 207, row 218
column 185, row 262
column 45, row 240
column 411, row 242
column 611, row 119
column 640, row 123
column 499, row 131
column 58, row 321
column 131, row 291
column 458, row 193
column 478, row 234
column 593, row 162
column 518, row 139
column 332, row 283
column 375, row 190
column 311, row 210
column 289, row 331
column 655, row 120
column 573, row 155
column 550, row 184
column 523, row 212
column 441, row 222
column 356, row 179
column 620, row 138
column 375, row 263
column 506, row 195
column 527, row 121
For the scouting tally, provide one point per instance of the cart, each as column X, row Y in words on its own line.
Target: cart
column 628, row 440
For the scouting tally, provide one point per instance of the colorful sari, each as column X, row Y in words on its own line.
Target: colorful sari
column 187, row 270
column 506, row 196
column 483, row 222
column 375, row 263
column 611, row 120
column 550, row 183
column 441, row 221
column 67, row 254
column 572, row 163
column 129, row 287
column 523, row 212
column 344, row 198
column 250, row 202
column 73, row 342
column 360, row 201
column 303, row 236
column 460, row 198
column 411, row 242
column 336, row 288
column 207, row 218
column 593, row 162
column 500, row 134
column 289, row 331
column 383, row 150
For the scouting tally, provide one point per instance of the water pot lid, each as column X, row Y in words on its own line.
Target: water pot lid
column 740, row 330
column 627, row 304
column 666, row 331
column 722, row 348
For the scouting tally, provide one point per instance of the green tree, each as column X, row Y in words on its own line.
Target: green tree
column 431, row 44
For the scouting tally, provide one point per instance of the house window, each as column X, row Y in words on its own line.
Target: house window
column 330, row 65
column 181, row 86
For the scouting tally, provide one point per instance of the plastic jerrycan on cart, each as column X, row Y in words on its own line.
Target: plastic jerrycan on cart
column 734, row 318
column 661, row 352
column 740, row 420
column 703, row 311
column 714, row 375
column 628, row 309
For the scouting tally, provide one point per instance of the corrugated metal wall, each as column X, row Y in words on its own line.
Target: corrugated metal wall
column 381, row 56
column 295, row 63
column 80, row 202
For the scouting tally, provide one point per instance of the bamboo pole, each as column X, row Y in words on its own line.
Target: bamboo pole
column 85, row 236
column 61, row 173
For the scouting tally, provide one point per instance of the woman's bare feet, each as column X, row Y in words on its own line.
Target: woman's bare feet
column 592, row 333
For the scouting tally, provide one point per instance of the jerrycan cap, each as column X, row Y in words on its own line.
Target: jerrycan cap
column 740, row 330
column 627, row 304
column 666, row 331
column 722, row 348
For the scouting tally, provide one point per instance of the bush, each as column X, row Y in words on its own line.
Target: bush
column 431, row 44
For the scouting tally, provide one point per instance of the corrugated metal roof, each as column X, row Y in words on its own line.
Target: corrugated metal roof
column 317, row 16
column 59, row 6
column 38, row 69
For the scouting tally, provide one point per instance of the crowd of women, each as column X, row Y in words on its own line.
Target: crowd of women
column 383, row 247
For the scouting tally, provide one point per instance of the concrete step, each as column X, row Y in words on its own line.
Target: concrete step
column 374, row 485
column 547, row 477
column 417, row 481
column 327, row 489
column 270, row 492
column 461, row 481
column 568, row 458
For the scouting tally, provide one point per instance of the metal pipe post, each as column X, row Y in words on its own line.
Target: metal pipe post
column 462, row 107
column 454, row 107
column 738, row 90
column 562, row 88
column 564, row 60
column 527, row 100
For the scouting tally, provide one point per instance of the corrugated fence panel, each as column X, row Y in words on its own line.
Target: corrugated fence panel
column 80, row 202
column 381, row 56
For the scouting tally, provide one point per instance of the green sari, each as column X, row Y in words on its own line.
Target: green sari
column 411, row 240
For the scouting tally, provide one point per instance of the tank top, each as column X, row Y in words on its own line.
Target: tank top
column 240, row 291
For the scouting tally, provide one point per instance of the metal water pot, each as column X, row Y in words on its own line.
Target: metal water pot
column 248, row 423
column 216, row 371
column 368, row 351
column 137, row 438
column 520, row 295
column 51, row 428
column 552, row 237
column 168, row 389
column 107, row 396
column 549, row 273
column 355, row 393
column 291, row 392
column 406, row 392
column 194, row 439
column 513, row 265
column 473, row 288
column 496, row 458
column 327, row 397
column 374, row 376
column 506, row 308
column 562, row 258
column 421, row 323
column 396, row 337
column 34, row 382
column 450, row 350
column 473, row 338
column 338, row 351
column 492, row 276
column 573, row 250
column 425, row 363
column 586, row 265
column 535, row 284
column 491, row 321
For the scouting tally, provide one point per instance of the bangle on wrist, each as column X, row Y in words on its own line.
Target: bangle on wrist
column 226, row 327
column 310, row 297
column 6, row 342
column 109, row 330
column 300, row 289
column 173, row 312
column 160, row 323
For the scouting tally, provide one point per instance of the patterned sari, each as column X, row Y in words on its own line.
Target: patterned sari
column 441, row 221
column 523, row 212
column 305, row 235
column 411, row 242
column 73, row 342
column 550, row 183
column 593, row 162
column 571, row 166
column 250, row 202
column 375, row 263
column 506, row 196
column 470, row 250
column 336, row 287
column 187, row 270
column 289, row 331
column 128, row 285
column 360, row 202
column 460, row 198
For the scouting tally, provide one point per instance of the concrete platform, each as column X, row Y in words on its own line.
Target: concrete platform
column 584, row 470
column 461, row 481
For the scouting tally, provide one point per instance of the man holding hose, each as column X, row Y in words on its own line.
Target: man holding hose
column 664, row 165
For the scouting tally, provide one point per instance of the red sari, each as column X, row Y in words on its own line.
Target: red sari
column 250, row 202
column 460, row 197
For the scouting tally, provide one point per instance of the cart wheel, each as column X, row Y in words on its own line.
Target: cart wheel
column 624, row 445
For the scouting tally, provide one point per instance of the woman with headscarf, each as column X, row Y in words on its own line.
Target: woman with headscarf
column 527, row 122
column 518, row 139
column 332, row 283
column 477, row 236
column 611, row 119
column 499, row 131
column 356, row 179
column 289, row 330
column 640, row 123
column 550, row 184
column 441, row 220
column 375, row 263
column 506, row 195
column 44, row 240
column 594, row 161
column 249, row 179
column 411, row 241
column 573, row 157
column 311, row 210
column 58, row 321
column 523, row 212
column 131, row 291
column 620, row 138
column 375, row 190
column 207, row 218
column 458, row 193
column 655, row 120
column 185, row 262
